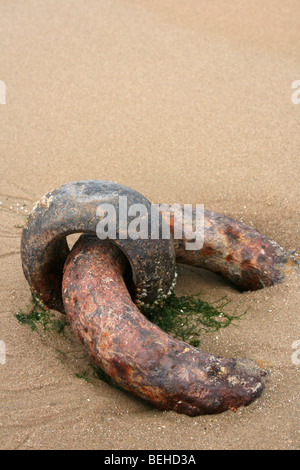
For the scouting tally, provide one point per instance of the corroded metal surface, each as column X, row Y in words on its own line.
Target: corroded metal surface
column 232, row 249
column 138, row 355
column 88, row 284
column 244, row 256
column 72, row 208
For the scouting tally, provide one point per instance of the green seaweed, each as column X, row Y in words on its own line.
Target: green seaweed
column 41, row 318
column 83, row 377
column 188, row 317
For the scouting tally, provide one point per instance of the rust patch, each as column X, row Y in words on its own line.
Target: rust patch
column 138, row 355
column 72, row 208
column 241, row 254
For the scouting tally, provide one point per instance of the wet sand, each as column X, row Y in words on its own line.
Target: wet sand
column 186, row 102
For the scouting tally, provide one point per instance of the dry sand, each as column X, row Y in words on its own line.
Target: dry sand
column 184, row 101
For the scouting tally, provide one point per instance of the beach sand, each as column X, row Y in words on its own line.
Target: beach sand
column 186, row 102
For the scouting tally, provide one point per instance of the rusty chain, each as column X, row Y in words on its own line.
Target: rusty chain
column 100, row 285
